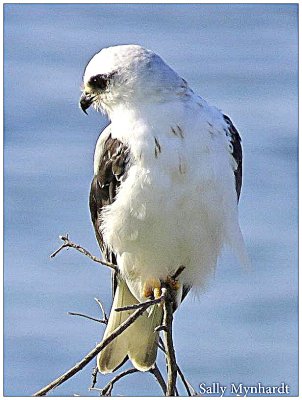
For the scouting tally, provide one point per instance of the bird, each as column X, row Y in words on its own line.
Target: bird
column 165, row 191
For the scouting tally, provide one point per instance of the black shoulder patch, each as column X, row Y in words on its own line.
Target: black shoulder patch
column 113, row 166
column 237, row 152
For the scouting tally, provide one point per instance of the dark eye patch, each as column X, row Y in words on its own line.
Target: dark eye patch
column 99, row 81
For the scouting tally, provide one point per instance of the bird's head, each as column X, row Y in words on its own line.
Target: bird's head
column 127, row 75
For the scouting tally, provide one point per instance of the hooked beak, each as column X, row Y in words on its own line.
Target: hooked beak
column 85, row 101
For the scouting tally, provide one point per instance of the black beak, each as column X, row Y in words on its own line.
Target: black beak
column 85, row 102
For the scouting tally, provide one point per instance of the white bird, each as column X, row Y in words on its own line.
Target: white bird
column 167, row 179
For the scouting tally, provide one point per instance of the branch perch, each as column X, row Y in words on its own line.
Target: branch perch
column 170, row 352
column 80, row 365
column 166, row 299
column 147, row 303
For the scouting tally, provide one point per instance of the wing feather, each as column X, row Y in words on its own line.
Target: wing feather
column 236, row 152
column 114, row 162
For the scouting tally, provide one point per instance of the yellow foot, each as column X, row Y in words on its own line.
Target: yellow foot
column 152, row 288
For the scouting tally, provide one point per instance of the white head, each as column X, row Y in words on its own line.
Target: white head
column 128, row 75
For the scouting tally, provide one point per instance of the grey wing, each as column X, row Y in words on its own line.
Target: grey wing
column 112, row 169
column 236, row 152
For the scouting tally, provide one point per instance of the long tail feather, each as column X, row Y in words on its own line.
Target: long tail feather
column 138, row 342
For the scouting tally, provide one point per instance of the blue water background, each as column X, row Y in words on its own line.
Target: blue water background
column 241, row 58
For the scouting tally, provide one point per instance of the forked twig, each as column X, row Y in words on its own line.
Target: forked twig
column 189, row 388
column 69, row 244
column 106, row 391
column 102, row 321
column 105, row 317
column 80, row 365
column 166, row 299
column 158, row 376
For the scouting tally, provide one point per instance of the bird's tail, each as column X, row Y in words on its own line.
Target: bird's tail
column 138, row 341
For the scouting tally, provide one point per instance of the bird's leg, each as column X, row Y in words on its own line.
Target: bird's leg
column 152, row 286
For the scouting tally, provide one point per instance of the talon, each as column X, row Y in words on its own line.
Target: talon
column 157, row 292
column 152, row 288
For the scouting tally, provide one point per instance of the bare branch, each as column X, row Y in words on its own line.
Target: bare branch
column 160, row 328
column 161, row 345
column 106, row 391
column 147, row 303
column 80, row 365
column 105, row 317
column 189, row 388
column 94, row 376
column 158, row 376
column 68, row 243
column 170, row 352
column 177, row 272
column 102, row 321
column 166, row 299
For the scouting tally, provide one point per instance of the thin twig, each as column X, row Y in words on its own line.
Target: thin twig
column 102, row 321
column 160, row 328
column 160, row 345
column 147, row 303
column 94, row 377
column 170, row 388
column 177, row 272
column 190, row 390
column 106, row 391
column 158, row 376
column 105, row 317
column 80, row 365
column 68, row 243
column 170, row 352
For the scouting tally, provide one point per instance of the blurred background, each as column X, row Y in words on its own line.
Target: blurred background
column 241, row 58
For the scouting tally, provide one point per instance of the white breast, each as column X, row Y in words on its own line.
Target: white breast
column 178, row 205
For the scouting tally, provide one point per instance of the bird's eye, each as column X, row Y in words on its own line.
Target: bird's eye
column 99, row 81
